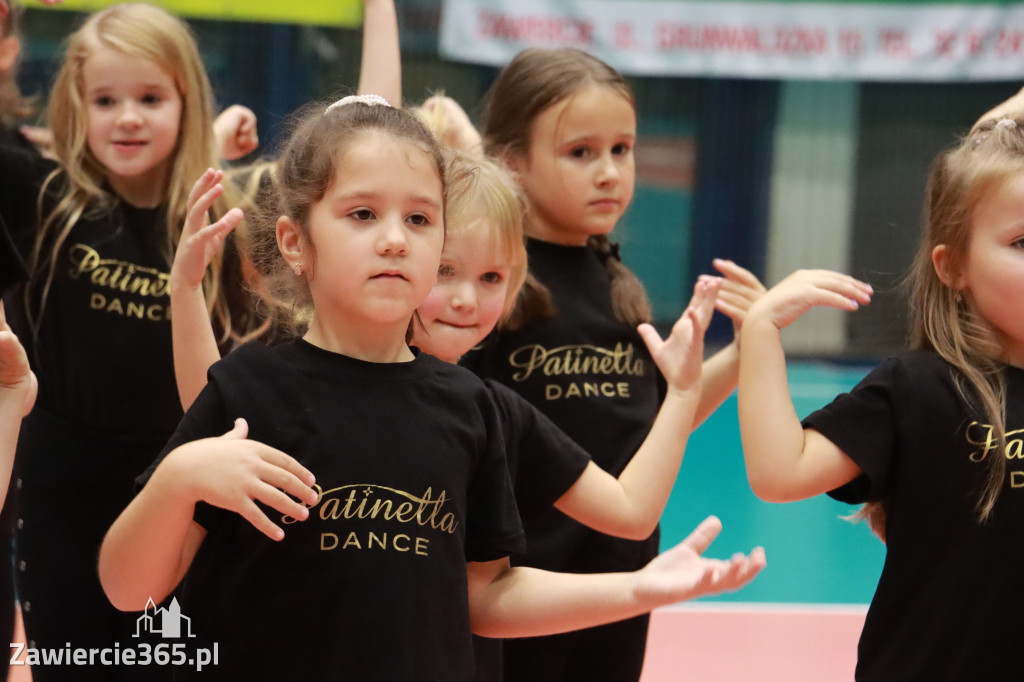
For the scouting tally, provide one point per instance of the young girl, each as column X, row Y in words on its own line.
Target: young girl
column 399, row 548
column 131, row 113
column 931, row 439
column 565, row 124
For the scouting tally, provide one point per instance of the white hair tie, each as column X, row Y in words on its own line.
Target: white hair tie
column 369, row 100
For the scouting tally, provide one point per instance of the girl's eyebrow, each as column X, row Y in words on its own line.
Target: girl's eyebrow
column 100, row 89
column 422, row 199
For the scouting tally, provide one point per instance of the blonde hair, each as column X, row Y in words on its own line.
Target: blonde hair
column 494, row 198
column 941, row 321
column 305, row 171
column 535, row 80
column 13, row 105
column 143, row 32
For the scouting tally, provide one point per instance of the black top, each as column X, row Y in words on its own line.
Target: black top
column 103, row 354
column 947, row 606
column 543, row 461
column 409, row 463
column 12, row 265
column 593, row 377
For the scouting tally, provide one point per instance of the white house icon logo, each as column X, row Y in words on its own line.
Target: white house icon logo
column 170, row 620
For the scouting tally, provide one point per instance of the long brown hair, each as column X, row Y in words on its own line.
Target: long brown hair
column 535, row 80
column 142, row 32
column 941, row 320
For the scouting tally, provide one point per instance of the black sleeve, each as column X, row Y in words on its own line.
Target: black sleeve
column 12, row 267
column 22, row 173
column 863, row 424
column 543, row 460
column 493, row 529
column 206, row 418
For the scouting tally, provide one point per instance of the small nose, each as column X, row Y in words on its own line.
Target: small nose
column 129, row 116
column 608, row 173
column 393, row 240
column 465, row 297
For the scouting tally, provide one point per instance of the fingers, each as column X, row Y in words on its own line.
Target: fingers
column 254, row 515
column 703, row 306
column 704, row 534
column 240, row 430
column 3, row 318
column 737, row 274
column 652, row 339
column 739, row 570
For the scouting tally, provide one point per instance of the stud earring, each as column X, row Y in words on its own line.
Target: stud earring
column 298, row 269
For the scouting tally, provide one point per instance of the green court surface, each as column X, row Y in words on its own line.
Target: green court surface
column 814, row 556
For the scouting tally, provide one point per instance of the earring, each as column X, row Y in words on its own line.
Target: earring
column 298, row 269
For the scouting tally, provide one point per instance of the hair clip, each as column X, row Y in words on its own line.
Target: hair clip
column 369, row 100
column 1007, row 123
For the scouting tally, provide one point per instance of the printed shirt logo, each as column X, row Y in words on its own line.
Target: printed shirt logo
column 119, row 287
column 983, row 435
column 402, row 517
column 569, row 365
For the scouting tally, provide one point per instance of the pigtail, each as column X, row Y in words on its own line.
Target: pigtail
column 629, row 299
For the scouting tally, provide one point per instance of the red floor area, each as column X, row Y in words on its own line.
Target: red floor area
column 728, row 642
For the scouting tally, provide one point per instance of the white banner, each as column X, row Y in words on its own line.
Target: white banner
column 790, row 40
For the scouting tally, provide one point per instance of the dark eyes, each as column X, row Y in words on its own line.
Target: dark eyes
column 445, row 270
column 491, row 278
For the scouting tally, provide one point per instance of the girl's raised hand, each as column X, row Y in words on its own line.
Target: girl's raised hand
column 235, row 130
column 684, row 573
column 233, row 473
column 17, row 381
column 199, row 239
column 680, row 356
column 739, row 291
column 804, row 289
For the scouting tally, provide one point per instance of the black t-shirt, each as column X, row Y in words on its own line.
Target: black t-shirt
column 103, row 353
column 409, row 461
column 947, row 606
column 543, row 461
column 12, row 264
column 593, row 377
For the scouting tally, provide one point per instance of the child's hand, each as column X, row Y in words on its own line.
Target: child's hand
column 17, row 382
column 681, row 355
column 805, row 289
column 235, row 130
column 233, row 473
column 458, row 132
column 682, row 573
column 739, row 291
column 199, row 239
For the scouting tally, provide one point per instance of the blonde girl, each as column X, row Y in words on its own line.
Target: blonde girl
column 564, row 122
column 132, row 120
column 931, row 439
column 397, row 548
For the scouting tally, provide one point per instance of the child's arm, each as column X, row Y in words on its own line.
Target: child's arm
column 630, row 505
column 740, row 289
column 380, row 72
column 152, row 543
column 195, row 345
column 784, row 461
column 527, row 602
column 17, row 395
column 235, row 132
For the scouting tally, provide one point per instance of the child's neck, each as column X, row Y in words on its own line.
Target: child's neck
column 369, row 344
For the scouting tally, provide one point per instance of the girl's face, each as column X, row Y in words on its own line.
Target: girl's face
column 376, row 234
column 992, row 275
column 469, row 296
column 133, row 110
column 579, row 171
